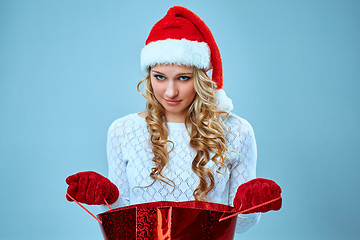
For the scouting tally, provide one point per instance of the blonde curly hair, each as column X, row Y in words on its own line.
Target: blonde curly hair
column 205, row 124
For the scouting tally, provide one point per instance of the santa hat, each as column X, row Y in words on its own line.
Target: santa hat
column 182, row 38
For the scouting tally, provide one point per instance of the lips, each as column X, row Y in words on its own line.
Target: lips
column 172, row 102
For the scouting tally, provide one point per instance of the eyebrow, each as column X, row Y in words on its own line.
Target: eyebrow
column 176, row 75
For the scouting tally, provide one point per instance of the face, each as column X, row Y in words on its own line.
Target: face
column 173, row 87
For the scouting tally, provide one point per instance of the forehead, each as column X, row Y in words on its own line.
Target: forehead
column 172, row 68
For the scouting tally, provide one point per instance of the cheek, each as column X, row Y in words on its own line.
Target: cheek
column 158, row 88
column 154, row 86
column 191, row 91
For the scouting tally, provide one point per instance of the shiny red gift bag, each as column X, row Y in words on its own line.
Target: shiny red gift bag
column 169, row 221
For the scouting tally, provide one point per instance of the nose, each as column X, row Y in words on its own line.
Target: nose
column 171, row 89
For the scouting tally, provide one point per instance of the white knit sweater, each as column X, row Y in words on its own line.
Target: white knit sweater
column 130, row 161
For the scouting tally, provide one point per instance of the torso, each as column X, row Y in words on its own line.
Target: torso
column 130, row 157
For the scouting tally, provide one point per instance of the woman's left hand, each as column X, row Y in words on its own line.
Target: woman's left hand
column 255, row 192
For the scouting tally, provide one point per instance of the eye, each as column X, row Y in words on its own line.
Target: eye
column 184, row 78
column 159, row 77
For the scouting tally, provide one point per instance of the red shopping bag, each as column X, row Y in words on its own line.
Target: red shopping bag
column 166, row 220
column 169, row 221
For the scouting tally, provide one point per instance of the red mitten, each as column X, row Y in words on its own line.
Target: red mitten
column 91, row 188
column 255, row 192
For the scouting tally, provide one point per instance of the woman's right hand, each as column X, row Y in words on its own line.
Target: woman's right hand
column 91, row 188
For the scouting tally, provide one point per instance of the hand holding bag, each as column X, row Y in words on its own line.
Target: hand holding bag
column 200, row 220
column 91, row 188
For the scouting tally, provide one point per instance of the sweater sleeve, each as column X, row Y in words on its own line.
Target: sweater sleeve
column 243, row 169
column 117, row 165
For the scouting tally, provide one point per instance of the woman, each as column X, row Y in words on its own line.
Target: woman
column 186, row 145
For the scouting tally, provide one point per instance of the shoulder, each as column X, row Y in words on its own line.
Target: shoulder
column 126, row 122
column 237, row 124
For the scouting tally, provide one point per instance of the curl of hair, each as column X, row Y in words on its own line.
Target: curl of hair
column 204, row 123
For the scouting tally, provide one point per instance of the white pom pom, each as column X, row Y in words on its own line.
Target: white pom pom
column 223, row 102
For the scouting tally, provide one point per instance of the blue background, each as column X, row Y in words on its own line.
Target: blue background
column 68, row 69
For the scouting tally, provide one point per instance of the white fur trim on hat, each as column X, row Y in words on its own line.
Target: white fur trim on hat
column 223, row 102
column 173, row 51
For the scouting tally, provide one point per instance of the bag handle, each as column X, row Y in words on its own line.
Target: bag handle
column 249, row 209
column 86, row 209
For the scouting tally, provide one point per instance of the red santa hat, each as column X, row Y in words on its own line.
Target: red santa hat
column 182, row 38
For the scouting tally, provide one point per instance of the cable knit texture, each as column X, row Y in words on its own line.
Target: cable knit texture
column 130, row 156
